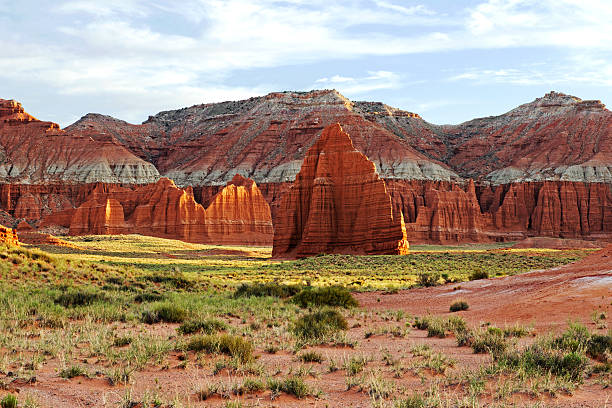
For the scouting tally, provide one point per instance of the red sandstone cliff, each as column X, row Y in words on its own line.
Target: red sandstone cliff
column 337, row 204
column 239, row 214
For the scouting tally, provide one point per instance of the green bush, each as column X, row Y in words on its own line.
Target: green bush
column 207, row 326
column 479, row 274
column 325, row 296
column 459, row 305
column 233, row 346
column 164, row 312
column 598, row 345
column 9, row 401
column 75, row 298
column 317, row 326
column 266, row 289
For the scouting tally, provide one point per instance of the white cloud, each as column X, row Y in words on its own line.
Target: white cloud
column 582, row 68
column 128, row 47
column 375, row 80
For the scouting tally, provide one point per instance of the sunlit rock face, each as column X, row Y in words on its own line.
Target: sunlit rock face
column 337, row 204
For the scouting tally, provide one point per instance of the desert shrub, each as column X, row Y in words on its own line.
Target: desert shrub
column 291, row 385
column 266, row 289
column 164, row 312
column 9, row 401
column 233, row 346
column 73, row 298
column 318, row 325
column 491, row 341
column 207, row 326
column 575, row 338
column 479, row 274
column 459, row 305
column 311, row 357
column 598, row 345
column 428, row 279
column 325, row 296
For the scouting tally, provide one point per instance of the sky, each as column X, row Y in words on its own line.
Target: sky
column 447, row 60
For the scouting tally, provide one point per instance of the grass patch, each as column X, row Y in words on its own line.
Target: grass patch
column 207, row 326
column 267, row 289
column 319, row 325
column 9, row 401
column 311, row 357
column 325, row 296
column 233, row 346
column 294, row 385
column 164, row 312
column 79, row 297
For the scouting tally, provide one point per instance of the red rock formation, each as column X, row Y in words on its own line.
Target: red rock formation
column 27, row 207
column 338, row 204
column 239, row 214
column 8, row 236
column 102, row 217
column 167, row 211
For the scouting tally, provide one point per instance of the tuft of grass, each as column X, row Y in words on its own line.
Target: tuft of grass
column 122, row 341
column 490, row 341
column 459, row 305
column 9, row 401
column 79, row 297
column 318, row 326
column 148, row 297
column 74, row 371
column 311, row 357
column 294, row 385
column 164, row 312
column 233, row 346
column 325, row 296
column 266, row 289
column 207, row 326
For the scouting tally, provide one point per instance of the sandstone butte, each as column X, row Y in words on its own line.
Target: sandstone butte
column 337, row 204
column 543, row 168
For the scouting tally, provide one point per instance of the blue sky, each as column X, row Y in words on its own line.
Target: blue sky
column 449, row 61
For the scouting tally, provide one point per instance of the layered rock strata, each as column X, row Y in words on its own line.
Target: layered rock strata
column 239, row 214
column 337, row 204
